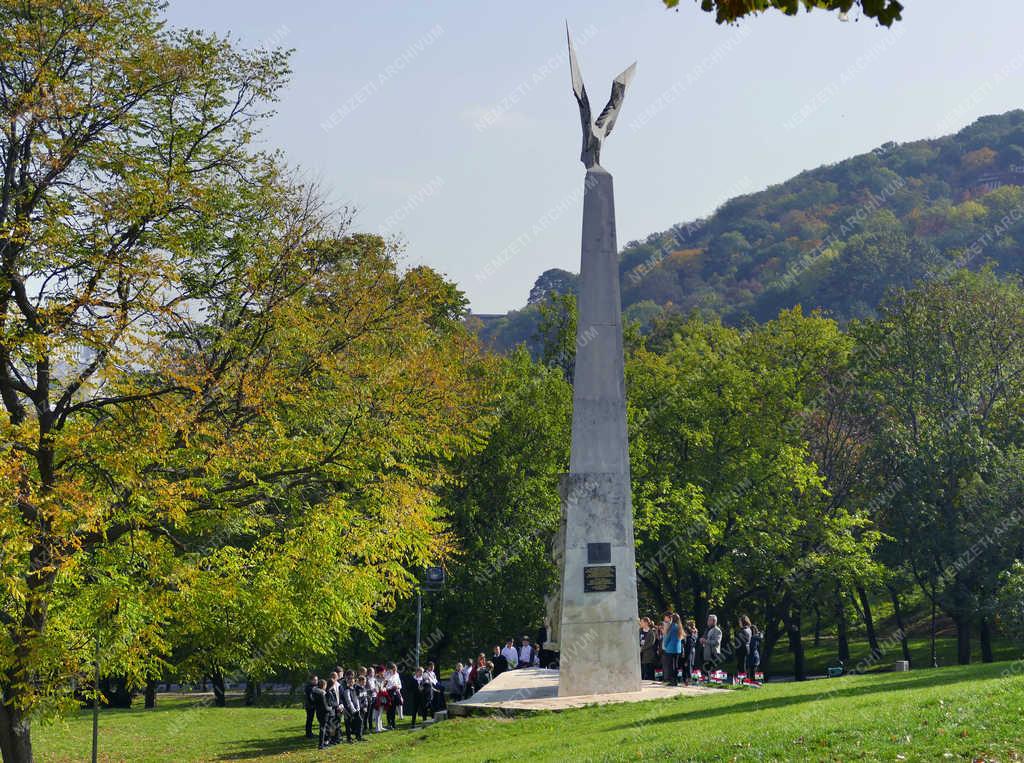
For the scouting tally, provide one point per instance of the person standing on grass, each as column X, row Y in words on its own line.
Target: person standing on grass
column 672, row 645
column 422, row 699
column 385, row 709
column 754, row 657
column 334, row 686
column 659, row 638
column 437, row 697
column 350, row 708
column 393, row 681
column 511, row 655
column 689, row 651
column 711, row 644
column 467, row 678
column 310, row 706
column 333, row 711
column 500, row 663
column 320, row 708
column 373, row 715
column 483, row 673
column 648, row 649
column 743, row 636
column 526, row 653
column 457, row 683
column 364, row 707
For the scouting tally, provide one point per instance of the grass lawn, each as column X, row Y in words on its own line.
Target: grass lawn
column 955, row 713
column 821, row 656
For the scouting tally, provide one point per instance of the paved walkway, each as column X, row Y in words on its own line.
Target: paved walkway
column 536, row 689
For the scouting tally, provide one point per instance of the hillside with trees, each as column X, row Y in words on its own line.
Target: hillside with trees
column 836, row 238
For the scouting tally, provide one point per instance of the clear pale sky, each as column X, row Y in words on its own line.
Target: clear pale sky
column 453, row 125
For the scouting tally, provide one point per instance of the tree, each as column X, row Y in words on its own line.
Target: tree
column 554, row 280
column 839, row 434
column 881, row 258
column 360, row 418
column 120, row 143
column 885, row 12
column 727, row 499
column 1011, row 600
column 503, row 510
column 944, row 371
column 205, row 378
column 556, row 333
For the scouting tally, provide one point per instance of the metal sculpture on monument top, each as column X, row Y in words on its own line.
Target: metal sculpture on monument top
column 594, row 132
column 597, row 639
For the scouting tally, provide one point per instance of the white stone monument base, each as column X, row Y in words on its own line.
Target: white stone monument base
column 599, row 649
column 527, row 690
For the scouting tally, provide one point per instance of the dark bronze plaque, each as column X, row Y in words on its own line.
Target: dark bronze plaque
column 599, row 579
column 599, row 553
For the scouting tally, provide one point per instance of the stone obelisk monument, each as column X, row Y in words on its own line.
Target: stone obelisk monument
column 598, row 644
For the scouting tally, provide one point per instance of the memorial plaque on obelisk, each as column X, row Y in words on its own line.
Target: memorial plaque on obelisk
column 597, row 638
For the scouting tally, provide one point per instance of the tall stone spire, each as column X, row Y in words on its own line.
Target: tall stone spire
column 599, row 649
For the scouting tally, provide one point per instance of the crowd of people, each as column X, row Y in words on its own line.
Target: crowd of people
column 682, row 652
column 472, row 675
column 368, row 700
column 349, row 705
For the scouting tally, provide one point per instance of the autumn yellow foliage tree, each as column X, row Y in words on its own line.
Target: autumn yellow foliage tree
column 225, row 415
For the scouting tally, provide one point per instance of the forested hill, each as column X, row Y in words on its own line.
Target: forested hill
column 836, row 237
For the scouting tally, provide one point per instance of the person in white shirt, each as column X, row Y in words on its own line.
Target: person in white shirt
column 394, row 683
column 336, row 687
column 525, row 653
column 511, row 654
column 374, row 685
column 429, row 674
column 467, row 690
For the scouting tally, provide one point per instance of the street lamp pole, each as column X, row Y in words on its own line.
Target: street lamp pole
column 96, row 701
column 419, row 621
column 96, row 678
column 433, row 581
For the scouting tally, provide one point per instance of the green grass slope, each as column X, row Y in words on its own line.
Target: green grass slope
column 957, row 713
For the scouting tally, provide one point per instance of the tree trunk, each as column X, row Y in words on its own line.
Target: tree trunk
column 817, row 625
column 15, row 739
column 217, row 679
column 986, row 640
column 963, row 639
column 150, row 694
column 15, row 726
column 842, row 633
column 869, row 622
column 253, row 690
column 796, row 645
column 772, row 634
column 898, row 613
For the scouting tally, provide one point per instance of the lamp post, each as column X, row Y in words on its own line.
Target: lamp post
column 433, row 582
column 92, row 577
column 96, row 701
